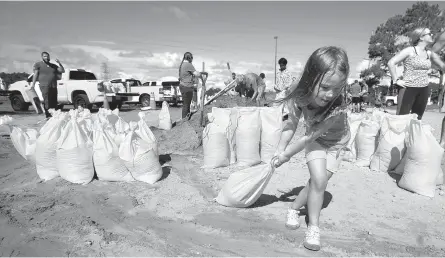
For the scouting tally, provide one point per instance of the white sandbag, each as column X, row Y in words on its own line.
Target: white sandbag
column 391, row 146
column 25, row 142
column 226, row 118
column 5, row 120
column 140, row 157
column 366, row 142
column 423, row 160
column 143, row 130
column 271, row 127
column 75, row 153
column 378, row 116
column 243, row 188
column 354, row 120
column 46, row 146
column 121, row 127
column 107, row 163
column 165, row 120
column 215, row 146
column 56, row 115
column 248, row 133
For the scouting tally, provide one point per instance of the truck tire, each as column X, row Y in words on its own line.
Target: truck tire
column 81, row 100
column 116, row 104
column 389, row 103
column 18, row 103
column 144, row 99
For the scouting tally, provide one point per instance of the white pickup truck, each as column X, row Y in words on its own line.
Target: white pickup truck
column 76, row 87
column 160, row 91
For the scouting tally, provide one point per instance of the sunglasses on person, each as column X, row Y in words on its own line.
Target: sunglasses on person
column 431, row 34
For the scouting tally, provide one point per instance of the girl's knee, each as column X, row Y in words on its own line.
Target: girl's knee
column 319, row 183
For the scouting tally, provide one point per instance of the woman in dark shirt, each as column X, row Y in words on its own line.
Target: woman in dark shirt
column 187, row 73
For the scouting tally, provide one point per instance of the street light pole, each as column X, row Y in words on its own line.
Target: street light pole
column 276, row 43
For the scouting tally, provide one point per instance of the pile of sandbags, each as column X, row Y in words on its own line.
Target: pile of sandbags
column 245, row 136
column 76, row 145
column 5, row 125
column 391, row 143
column 165, row 120
column 421, row 165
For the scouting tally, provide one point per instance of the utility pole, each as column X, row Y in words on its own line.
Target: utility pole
column 276, row 43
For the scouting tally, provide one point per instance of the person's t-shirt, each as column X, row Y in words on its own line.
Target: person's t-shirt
column 337, row 136
column 47, row 74
column 185, row 77
column 355, row 90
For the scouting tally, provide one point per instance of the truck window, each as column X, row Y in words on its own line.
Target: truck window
column 82, row 75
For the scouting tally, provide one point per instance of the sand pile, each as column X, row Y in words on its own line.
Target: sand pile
column 186, row 135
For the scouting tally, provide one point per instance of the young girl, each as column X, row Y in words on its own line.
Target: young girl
column 319, row 97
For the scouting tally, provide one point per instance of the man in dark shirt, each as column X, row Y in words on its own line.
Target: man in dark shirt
column 47, row 74
column 355, row 91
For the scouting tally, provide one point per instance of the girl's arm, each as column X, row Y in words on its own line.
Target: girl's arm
column 289, row 127
column 435, row 58
column 399, row 57
column 305, row 140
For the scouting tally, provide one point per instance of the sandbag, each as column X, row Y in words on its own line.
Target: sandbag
column 165, row 121
column 5, row 125
column 366, row 142
column 243, row 188
column 248, row 134
column 215, row 146
column 391, row 145
column 121, row 127
column 25, row 142
column 354, row 120
column 422, row 166
column 140, row 157
column 46, row 146
column 107, row 163
column 75, row 153
column 143, row 130
column 271, row 127
column 226, row 118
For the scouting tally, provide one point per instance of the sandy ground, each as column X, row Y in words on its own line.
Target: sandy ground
column 365, row 214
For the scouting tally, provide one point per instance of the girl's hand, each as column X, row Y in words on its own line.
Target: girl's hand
column 401, row 83
column 279, row 160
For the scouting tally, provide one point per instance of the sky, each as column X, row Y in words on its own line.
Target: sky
column 147, row 40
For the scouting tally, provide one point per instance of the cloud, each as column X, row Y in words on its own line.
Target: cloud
column 362, row 65
column 176, row 11
column 137, row 53
column 180, row 14
column 103, row 42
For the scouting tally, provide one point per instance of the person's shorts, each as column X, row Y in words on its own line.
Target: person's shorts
column 316, row 151
column 356, row 100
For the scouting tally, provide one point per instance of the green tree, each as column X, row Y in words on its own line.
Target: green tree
column 10, row 78
column 392, row 36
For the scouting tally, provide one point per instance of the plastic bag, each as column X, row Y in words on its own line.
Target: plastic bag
column 140, row 157
column 121, row 127
column 75, row 153
column 243, row 188
column 46, row 146
column 107, row 163
column 25, row 142
column 422, row 167
column 215, row 146
column 391, row 146
column 165, row 121
column 248, row 134
column 271, row 127
column 366, row 142
column 354, row 120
